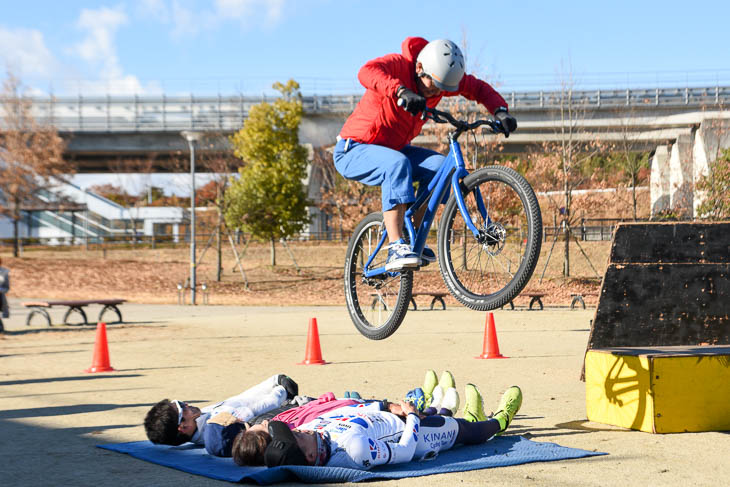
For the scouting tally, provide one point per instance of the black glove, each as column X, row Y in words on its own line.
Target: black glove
column 412, row 102
column 507, row 123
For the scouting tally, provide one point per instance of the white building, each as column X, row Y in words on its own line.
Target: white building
column 101, row 220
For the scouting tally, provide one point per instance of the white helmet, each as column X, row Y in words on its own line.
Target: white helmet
column 443, row 62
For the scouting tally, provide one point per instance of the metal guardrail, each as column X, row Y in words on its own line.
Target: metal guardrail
column 227, row 113
column 665, row 97
column 133, row 238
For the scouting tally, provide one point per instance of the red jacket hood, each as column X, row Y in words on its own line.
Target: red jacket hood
column 378, row 119
column 412, row 46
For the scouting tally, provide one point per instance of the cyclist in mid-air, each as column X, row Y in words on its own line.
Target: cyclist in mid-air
column 373, row 146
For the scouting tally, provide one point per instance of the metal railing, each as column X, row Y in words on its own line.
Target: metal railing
column 590, row 229
column 226, row 113
column 653, row 97
column 137, row 238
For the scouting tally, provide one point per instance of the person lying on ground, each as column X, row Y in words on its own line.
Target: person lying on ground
column 176, row 422
column 251, row 440
column 366, row 437
column 246, row 441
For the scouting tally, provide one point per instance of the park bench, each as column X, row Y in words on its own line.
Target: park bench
column 40, row 307
column 578, row 298
column 437, row 297
column 534, row 298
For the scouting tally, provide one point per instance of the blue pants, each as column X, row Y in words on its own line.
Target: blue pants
column 394, row 171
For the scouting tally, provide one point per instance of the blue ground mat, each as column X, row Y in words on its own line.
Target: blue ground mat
column 500, row 452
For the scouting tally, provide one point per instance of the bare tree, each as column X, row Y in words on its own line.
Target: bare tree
column 712, row 182
column 629, row 156
column 348, row 200
column 144, row 166
column 564, row 162
column 214, row 156
column 222, row 164
column 31, row 155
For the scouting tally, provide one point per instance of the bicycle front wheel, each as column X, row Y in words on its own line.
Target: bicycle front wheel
column 487, row 271
column 378, row 304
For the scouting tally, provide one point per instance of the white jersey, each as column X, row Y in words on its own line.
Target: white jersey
column 362, row 436
column 254, row 401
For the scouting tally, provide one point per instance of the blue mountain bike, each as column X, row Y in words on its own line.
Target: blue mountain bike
column 488, row 242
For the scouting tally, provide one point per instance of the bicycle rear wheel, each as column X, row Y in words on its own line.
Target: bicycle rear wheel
column 377, row 305
column 488, row 271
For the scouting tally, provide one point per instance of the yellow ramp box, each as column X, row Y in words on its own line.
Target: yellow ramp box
column 659, row 389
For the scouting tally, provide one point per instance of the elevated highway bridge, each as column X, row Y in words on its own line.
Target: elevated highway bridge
column 102, row 131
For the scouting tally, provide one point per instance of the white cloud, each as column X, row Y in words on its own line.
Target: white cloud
column 185, row 22
column 24, row 52
column 98, row 49
column 187, row 19
column 153, row 8
column 98, row 46
column 247, row 11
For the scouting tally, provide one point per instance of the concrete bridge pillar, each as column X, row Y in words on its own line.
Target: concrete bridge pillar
column 681, row 174
column 659, row 180
column 711, row 139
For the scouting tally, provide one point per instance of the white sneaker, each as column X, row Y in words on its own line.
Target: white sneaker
column 450, row 400
column 401, row 256
column 436, row 397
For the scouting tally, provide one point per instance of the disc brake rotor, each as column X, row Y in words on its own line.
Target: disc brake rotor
column 494, row 238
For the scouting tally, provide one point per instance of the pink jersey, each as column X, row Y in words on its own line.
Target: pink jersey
column 312, row 410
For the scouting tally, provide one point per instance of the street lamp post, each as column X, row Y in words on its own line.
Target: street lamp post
column 192, row 136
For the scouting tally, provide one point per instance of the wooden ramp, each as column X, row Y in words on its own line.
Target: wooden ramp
column 660, row 389
column 657, row 358
column 665, row 284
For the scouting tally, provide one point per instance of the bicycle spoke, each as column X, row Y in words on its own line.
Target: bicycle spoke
column 486, row 264
column 378, row 303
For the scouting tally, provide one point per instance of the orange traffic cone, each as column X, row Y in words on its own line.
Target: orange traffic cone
column 313, row 354
column 491, row 345
column 100, row 363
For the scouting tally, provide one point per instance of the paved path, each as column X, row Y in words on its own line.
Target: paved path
column 52, row 413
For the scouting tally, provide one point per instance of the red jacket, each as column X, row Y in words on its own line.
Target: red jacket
column 378, row 119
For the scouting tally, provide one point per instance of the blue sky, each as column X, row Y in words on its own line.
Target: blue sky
column 232, row 46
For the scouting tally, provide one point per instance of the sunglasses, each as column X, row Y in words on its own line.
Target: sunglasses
column 180, row 408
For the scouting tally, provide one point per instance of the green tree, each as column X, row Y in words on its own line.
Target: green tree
column 715, row 188
column 268, row 199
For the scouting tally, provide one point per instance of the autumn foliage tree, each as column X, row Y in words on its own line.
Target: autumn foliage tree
column 31, row 156
column 715, row 189
column 564, row 165
column 346, row 200
column 114, row 193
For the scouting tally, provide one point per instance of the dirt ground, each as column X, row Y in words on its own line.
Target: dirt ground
column 52, row 413
column 147, row 275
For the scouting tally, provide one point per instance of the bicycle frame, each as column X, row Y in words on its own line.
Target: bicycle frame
column 449, row 175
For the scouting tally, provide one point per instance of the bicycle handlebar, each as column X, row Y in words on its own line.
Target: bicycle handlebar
column 439, row 116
